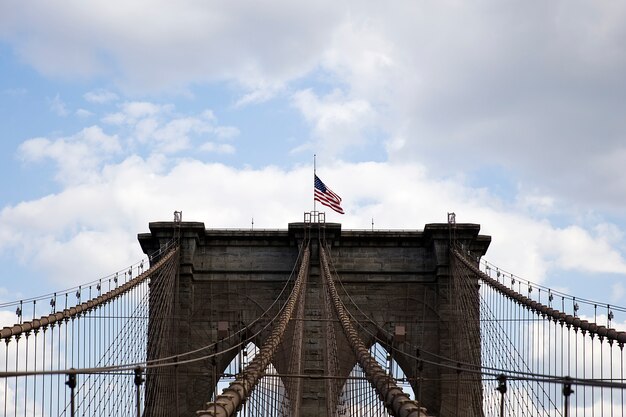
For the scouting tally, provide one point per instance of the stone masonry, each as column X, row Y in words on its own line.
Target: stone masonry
column 400, row 279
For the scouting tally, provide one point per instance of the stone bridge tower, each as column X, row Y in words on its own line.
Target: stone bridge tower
column 400, row 279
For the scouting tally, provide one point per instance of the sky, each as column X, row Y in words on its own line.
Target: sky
column 116, row 114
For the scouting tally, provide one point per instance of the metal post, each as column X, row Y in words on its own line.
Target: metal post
column 567, row 391
column 314, row 175
column 138, row 381
column 420, row 367
column 71, row 382
column 502, row 389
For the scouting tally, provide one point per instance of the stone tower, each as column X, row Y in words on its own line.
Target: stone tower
column 400, row 279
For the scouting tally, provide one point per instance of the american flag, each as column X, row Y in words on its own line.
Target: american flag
column 324, row 195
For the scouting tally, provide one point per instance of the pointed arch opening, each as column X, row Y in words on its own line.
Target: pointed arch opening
column 358, row 397
column 269, row 397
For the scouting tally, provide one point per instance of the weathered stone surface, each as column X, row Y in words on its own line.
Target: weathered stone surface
column 395, row 277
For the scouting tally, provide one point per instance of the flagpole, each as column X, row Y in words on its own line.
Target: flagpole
column 314, row 174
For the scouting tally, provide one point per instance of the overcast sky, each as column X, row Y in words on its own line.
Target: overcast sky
column 115, row 114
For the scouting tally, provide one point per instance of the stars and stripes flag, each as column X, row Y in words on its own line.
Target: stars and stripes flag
column 324, row 195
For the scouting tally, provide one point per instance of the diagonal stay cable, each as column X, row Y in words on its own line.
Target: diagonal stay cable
column 394, row 398
column 227, row 404
column 487, row 370
column 173, row 360
column 575, row 322
column 451, row 363
column 138, row 265
column 71, row 312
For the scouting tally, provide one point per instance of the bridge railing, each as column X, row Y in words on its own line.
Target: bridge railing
column 605, row 314
column 32, row 308
column 538, row 359
column 549, row 310
column 84, row 357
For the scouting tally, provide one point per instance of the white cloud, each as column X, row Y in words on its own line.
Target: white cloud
column 138, row 109
column 114, row 118
column 83, row 114
column 226, row 132
column 121, row 251
column 163, row 130
column 258, row 95
column 338, row 122
column 573, row 248
column 58, row 106
column 161, row 45
column 109, row 211
column 100, row 96
column 77, row 157
column 7, row 318
column 519, row 86
column 362, row 55
column 449, row 86
column 223, row 148
column 536, row 88
column 132, row 111
column 533, row 201
column 119, row 202
column 175, row 134
column 144, row 129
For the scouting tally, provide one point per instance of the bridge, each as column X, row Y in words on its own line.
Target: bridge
column 312, row 320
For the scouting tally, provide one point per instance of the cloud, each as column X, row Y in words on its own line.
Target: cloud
column 131, row 112
column 99, row 214
column 259, row 94
column 338, row 122
column 257, row 45
column 77, row 157
column 222, row 148
column 58, row 107
column 175, row 134
column 83, row 113
column 445, row 87
column 226, row 132
column 100, row 96
column 517, row 86
column 535, row 90
column 138, row 109
column 163, row 130
column 109, row 208
column 138, row 128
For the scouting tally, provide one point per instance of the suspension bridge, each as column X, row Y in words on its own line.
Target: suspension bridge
column 312, row 321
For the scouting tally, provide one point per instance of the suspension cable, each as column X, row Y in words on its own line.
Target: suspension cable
column 238, row 391
column 395, row 399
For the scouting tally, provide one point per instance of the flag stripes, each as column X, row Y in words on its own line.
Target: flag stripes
column 326, row 196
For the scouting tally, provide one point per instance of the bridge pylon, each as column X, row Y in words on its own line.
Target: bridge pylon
column 400, row 280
